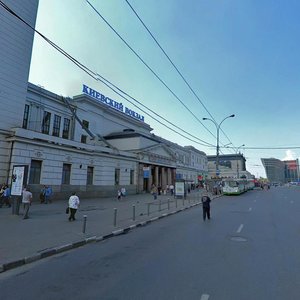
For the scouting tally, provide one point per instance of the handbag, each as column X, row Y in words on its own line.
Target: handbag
column 67, row 210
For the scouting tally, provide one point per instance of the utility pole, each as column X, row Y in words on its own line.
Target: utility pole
column 218, row 147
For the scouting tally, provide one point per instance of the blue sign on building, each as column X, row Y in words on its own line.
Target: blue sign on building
column 178, row 176
column 112, row 103
column 146, row 171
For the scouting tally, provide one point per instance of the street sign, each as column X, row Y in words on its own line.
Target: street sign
column 146, row 171
column 179, row 188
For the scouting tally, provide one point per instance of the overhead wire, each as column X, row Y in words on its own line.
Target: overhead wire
column 270, row 148
column 173, row 64
column 148, row 67
column 100, row 78
column 206, row 143
column 106, row 82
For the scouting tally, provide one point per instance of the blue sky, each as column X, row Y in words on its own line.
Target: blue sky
column 240, row 57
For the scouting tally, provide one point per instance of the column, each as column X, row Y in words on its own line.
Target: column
column 163, row 178
column 169, row 176
column 156, row 176
column 150, row 179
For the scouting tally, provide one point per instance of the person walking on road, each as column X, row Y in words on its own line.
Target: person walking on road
column 26, row 200
column 123, row 192
column 73, row 206
column 119, row 195
column 206, row 206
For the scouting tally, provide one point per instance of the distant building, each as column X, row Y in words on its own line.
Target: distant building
column 281, row 171
column 291, row 170
column 230, row 165
column 274, row 169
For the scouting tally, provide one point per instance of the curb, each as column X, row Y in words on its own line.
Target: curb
column 94, row 239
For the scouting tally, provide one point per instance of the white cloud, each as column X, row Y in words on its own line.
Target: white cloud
column 289, row 155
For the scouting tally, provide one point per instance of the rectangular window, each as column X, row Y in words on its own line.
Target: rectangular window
column 35, row 172
column 85, row 124
column 66, row 129
column 131, row 176
column 90, row 175
column 83, row 138
column 66, row 174
column 117, row 176
column 56, row 125
column 25, row 117
column 46, row 122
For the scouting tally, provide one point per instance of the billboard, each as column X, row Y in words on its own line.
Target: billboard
column 17, row 180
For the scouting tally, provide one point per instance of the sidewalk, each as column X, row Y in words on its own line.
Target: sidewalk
column 48, row 230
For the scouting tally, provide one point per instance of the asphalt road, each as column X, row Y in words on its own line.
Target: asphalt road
column 248, row 250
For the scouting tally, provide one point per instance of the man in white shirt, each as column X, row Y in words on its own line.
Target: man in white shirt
column 73, row 205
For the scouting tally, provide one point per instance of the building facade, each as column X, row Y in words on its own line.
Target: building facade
column 281, row 171
column 274, row 169
column 89, row 143
column 230, row 166
column 15, row 52
column 291, row 170
column 90, row 146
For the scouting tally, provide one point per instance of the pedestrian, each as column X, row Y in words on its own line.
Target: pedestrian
column 159, row 190
column 47, row 193
column 206, row 206
column 6, row 196
column 73, row 206
column 1, row 195
column 154, row 191
column 42, row 194
column 26, row 200
column 123, row 192
column 119, row 195
column 172, row 189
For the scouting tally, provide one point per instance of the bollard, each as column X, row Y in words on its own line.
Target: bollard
column 133, row 212
column 176, row 202
column 148, row 209
column 182, row 201
column 84, row 223
column 115, row 216
column 159, row 205
column 168, row 203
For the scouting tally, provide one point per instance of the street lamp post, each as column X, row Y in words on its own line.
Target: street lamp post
column 237, row 166
column 218, row 131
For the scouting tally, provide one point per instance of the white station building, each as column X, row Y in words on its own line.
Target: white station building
column 88, row 143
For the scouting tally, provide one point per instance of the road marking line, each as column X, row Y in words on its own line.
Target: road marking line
column 204, row 297
column 250, row 208
column 240, row 228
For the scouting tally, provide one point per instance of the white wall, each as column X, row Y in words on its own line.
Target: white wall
column 15, row 54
